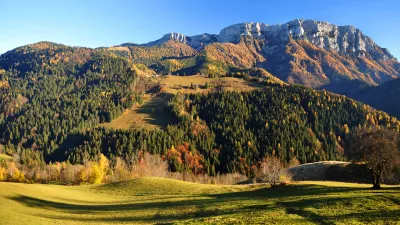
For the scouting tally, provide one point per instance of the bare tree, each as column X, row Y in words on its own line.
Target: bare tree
column 378, row 149
column 271, row 171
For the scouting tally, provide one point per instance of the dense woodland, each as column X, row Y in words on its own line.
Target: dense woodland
column 225, row 132
column 53, row 97
column 45, row 101
column 383, row 97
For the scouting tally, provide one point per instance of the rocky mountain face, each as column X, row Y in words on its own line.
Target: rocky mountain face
column 313, row 53
column 196, row 42
column 342, row 39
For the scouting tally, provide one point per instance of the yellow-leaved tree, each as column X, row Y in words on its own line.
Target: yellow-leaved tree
column 99, row 170
column 3, row 174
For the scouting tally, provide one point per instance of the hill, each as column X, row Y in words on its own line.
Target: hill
column 151, row 114
column 54, row 97
column 316, row 54
column 163, row 186
column 145, row 201
column 53, row 90
column 383, row 97
column 233, row 131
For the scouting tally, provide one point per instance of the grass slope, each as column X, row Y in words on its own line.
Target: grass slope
column 161, row 186
column 157, row 200
column 313, row 171
column 151, row 114
column 173, row 84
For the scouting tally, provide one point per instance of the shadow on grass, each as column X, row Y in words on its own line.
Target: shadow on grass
column 296, row 199
column 155, row 109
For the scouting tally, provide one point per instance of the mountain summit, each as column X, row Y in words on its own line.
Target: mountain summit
column 196, row 42
column 313, row 53
column 342, row 39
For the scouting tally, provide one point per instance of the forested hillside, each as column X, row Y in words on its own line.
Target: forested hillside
column 232, row 131
column 384, row 97
column 53, row 90
column 54, row 96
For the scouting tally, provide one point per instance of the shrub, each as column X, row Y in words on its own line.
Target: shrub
column 150, row 166
column 293, row 162
column 272, row 171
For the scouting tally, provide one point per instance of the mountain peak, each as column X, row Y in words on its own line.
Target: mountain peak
column 196, row 42
column 343, row 39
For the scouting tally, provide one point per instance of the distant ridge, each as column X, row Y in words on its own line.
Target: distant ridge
column 312, row 53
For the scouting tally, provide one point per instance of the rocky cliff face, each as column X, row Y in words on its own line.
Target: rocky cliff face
column 196, row 42
column 342, row 39
column 312, row 53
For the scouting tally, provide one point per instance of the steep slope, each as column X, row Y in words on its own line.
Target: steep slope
column 384, row 97
column 196, row 42
column 317, row 54
column 50, row 90
column 312, row 53
column 233, row 131
column 54, row 96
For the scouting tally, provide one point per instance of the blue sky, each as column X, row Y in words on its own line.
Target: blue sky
column 104, row 23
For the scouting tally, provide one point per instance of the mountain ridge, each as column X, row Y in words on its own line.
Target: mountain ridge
column 308, row 52
column 54, row 97
column 296, row 28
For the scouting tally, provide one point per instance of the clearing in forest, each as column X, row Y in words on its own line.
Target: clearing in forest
column 174, row 84
column 151, row 114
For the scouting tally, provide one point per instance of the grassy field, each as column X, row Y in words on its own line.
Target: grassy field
column 173, row 84
column 157, row 200
column 313, row 171
column 151, row 115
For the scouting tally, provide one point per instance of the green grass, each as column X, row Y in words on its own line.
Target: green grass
column 150, row 115
column 174, row 84
column 161, row 186
column 157, row 200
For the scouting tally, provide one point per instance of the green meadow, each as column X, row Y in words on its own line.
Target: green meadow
column 160, row 201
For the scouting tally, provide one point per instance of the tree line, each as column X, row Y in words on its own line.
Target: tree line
column 55, row 98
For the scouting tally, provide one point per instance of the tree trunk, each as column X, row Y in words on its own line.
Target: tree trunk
column 376, row 181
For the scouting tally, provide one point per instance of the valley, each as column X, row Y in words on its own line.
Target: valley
column 280, row 124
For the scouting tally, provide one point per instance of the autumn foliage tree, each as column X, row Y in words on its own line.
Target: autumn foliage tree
column 183, row 159
column 378, row 149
